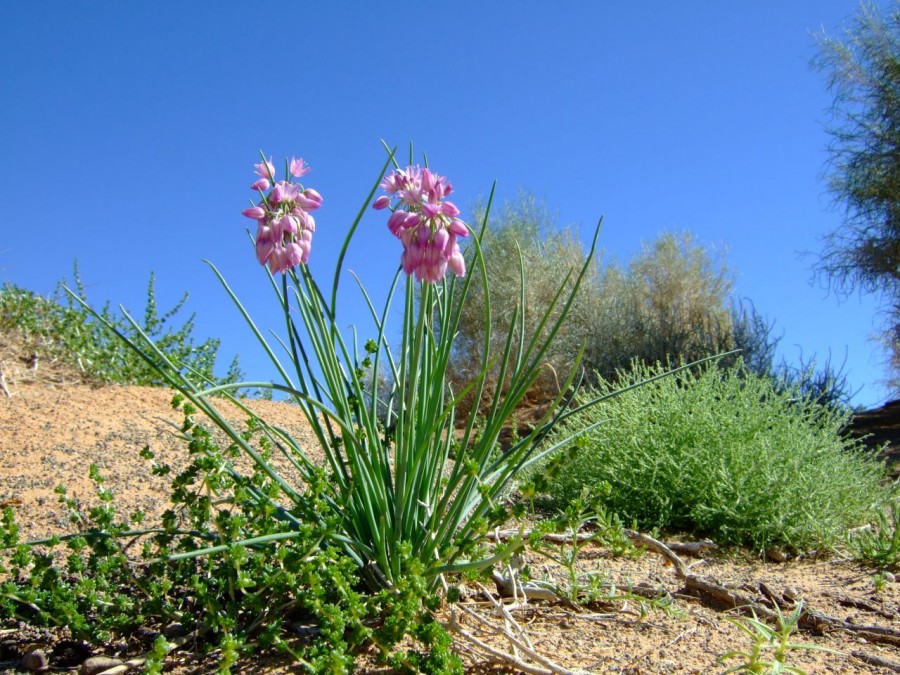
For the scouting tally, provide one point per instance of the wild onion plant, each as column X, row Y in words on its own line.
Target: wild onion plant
column 412, row 491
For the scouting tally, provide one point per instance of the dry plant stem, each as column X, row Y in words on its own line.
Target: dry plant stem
column 139, row 661
column 647, row 541
column 690, row 547
column 874, row 660
column 544, row 667
column 858, row 603
column 810, row 619
column 3, row 382
column 509, row 587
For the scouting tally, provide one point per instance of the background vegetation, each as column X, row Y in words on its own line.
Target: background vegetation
column 721, row 452
column 59, row 328
column 863, row 72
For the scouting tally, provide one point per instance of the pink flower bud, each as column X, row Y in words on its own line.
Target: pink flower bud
column 449, row 209
column 265, row 244
column 431, row 210
column 290, row 224
column 397, row 221
column 255, row 212
column 309, row 199
column 294, row 254
column 382, row 202
column 458, row 228
column 440, row 239
column 278, row 260
column 457, row 263
column 262, row 184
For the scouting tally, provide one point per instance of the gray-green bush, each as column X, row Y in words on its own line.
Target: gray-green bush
column 724, row 453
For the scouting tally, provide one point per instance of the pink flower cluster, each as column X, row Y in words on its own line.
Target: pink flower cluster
column 426, row 224
column 285, row 226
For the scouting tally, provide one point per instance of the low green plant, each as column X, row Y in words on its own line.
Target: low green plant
column 720, row 452
column 879, row 544
column 220, row 565
column 769, row 646
column 582, row 522
column 58, row 327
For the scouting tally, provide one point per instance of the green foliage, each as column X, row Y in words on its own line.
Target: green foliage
column 584, row 512
column 863, row 71
column 769, row 649
column 721, row 452
column 671, row 302
column 223, row 563
column 879, row 544
column 60, row 328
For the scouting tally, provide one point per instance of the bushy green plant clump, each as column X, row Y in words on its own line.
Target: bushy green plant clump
column 57, row 327
column 721, row 452
column 221, row 567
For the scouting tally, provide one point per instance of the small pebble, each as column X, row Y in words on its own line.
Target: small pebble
column 97, row 664
column 889, row 577
column 35, row 660
column 174, row 630
column 775, row 554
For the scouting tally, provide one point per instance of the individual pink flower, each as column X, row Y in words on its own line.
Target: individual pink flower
column 284, row 224
column 426, row 224
column 265, row 169
column 299, row 168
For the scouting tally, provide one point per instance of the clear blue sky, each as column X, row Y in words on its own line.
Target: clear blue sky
column 129, row 130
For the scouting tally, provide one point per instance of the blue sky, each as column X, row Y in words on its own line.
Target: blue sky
column 129, row 130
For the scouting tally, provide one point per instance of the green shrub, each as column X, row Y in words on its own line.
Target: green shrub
column 723, row 453
column 58, row 328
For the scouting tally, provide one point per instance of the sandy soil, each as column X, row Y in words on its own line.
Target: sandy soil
column 53, row 426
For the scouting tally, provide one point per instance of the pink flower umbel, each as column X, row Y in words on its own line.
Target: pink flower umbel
column 284, row 223
column 424, row 222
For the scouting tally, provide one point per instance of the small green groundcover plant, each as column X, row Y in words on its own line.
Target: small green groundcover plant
column 769, row 648
column 362, row 547
column 721, row 452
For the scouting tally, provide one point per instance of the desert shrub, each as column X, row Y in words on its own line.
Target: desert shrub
column 549, row 255
column 671, row 302
column 724, row 453
column 58, row 328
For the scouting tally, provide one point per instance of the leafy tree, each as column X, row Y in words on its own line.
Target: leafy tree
column 863, row 70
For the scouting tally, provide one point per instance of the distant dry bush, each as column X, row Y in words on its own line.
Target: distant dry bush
column 672, row 302
column 548, row 254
